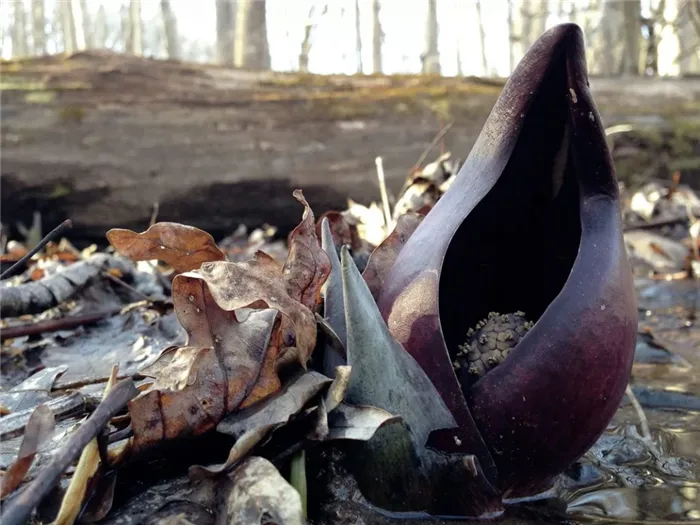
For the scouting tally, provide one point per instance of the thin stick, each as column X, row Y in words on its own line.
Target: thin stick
column 120, row 282
column 646, row 433
column 19, row 509
column 54, row 325
column 385, row 195
column 154, row 214
column 434, row 143
column 12, row 270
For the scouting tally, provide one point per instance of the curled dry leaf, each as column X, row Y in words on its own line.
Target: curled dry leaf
column 259, row 494
column 383, row 257
column 39, row 429
column 257, row 282
column 198, row 384
column 307, row 266
column 182, row 247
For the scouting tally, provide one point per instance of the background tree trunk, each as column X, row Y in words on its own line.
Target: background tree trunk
column 358, row 37
column 100, row 36
column 172, row 42
column 38, row 27
column 431, row 55
column 482, row 38
column 19, row 31
column 67, row 26
column 224, row 32
column 88, row 28
column 135, row 28
column 377, row 38
column 78, row 24
column 632, row 14
column 611, row 27
column 251, row 49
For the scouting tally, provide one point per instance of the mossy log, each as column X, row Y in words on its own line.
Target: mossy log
column 100, row 137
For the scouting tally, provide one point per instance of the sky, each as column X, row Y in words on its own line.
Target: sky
column 333, row 48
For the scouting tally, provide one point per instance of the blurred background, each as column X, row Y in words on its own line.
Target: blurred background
column 448, row 37
column 212, row 112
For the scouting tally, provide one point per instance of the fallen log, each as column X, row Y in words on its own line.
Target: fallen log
column 100, row 137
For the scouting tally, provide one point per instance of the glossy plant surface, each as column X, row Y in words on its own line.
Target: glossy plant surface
column 531, row 224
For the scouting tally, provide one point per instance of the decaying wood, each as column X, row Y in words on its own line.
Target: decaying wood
column 35, row 297
column 101, row 137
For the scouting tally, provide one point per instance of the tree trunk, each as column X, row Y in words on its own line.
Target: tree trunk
column 306, row 42
column 377, row 38
column 251, row 49
column 224, row 32
column 100, row 36
column 88, row 29
column 482, row 38
column 358, row 37
column 78, row 24
column 67, row 27
column 19, row 31
column 172, row 42
column 611, row 25
column 431, row 55
column 38, row 27
column 135, row 28
column 689, row 27
column 632, row 14
column 512, row 37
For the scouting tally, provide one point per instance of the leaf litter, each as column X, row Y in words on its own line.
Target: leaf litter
column 259, row 342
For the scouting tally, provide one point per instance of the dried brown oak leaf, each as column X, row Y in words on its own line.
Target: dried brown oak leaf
column 383, row 257
column 258, row 283
column 307, row 266
column 196, row 385
column 183, row 247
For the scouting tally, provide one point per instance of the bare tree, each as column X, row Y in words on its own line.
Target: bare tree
column 512, row 38
column 67, row 26
column 78, row 25
column 358, row 37
column 172, row 43
column 377, row 38
column 632, row 10
column 689, row 29
column 251, row 49
column 135, row 41
column 88, row 29
column 19, row 30
column 224, row 32
column 100, row 35
column 482, row 38
column 38, row 27
column 431, row 55
column 610, row 23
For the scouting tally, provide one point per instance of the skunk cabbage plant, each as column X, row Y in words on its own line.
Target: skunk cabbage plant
column 514, row 294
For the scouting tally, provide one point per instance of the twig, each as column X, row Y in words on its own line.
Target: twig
column 117, row 280
column 435, row 142
column 12, row 270
column 54, row 325
column 154, row 214
column 644, row 422
column 655, row 224
column 385, row 195
column 19, row 509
